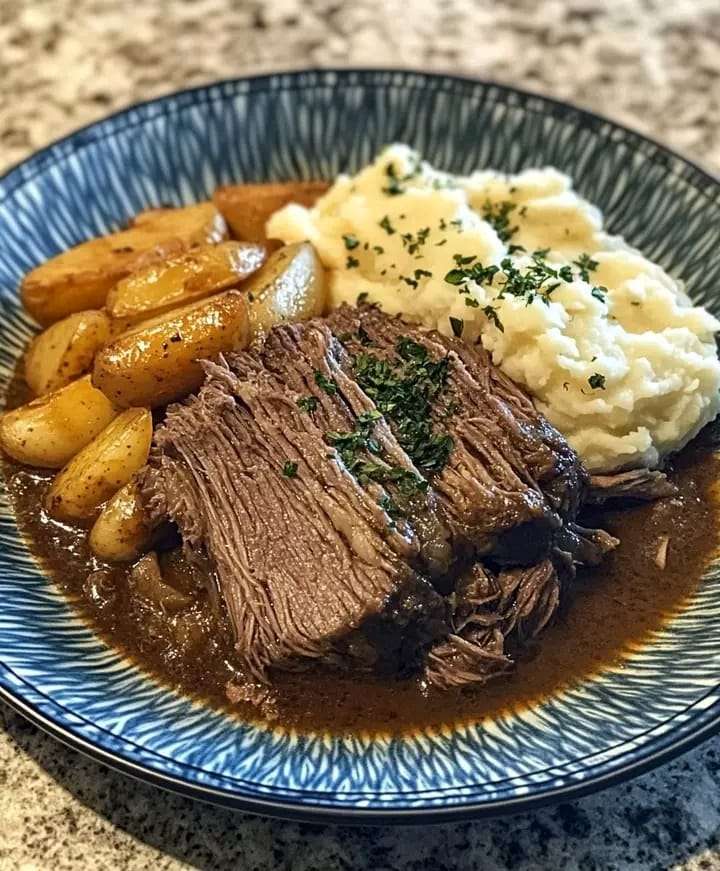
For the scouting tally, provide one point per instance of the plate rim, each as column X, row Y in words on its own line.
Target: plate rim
column 687, row 735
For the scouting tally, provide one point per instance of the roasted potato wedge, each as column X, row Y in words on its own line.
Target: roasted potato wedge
column 157, row 361
column 181, row 280
column 246, row 207
column 121, row 533
column 290, row 287
column 49, row 431
column 102, row 467
column 81, row 277
column 66, row 350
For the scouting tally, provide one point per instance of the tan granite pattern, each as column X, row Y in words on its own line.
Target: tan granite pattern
column 654, row 65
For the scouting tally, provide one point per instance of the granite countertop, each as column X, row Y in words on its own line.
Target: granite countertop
column 63, row 63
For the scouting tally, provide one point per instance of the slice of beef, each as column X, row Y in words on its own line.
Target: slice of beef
column 295, row 354
column 512, row 480
column 317, row 559
column 494, row 615
column 309, row 563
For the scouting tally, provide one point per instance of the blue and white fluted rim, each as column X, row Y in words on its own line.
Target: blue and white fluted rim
column 695, row 723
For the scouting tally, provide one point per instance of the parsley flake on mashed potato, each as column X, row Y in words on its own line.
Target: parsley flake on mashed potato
column 608, row 344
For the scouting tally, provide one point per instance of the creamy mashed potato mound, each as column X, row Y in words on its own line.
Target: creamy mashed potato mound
column 607, row 343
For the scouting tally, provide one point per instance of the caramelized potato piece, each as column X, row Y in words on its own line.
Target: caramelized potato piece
column 102, row 467
column 65, row 350
column 81, row 277
column 49, row 431
column 121, row 533
column 290, row 287
column 181, row 280
column 157, row 361
column 246, row 207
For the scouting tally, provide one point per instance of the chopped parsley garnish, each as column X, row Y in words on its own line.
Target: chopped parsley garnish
column 408, row 482
column 413, row 242
column 477, row 272
column 387, row 226
column 411, row 281
column 531, row 282
column 422, row 273
column 457, row 325
column 585, row 265
column 443, row 224
column 352, row 445
column 464, row 261
column 394, row 185
column 307, row 403
column 390, row 507
column 326, row 384
column 406, row 390
column 290, row 469
column 350, row 241
column 352, row 262
column 498, row 216
column 378, row 249
column 362, row 298
column 539, row 279
column 492, row 315
column 457, row 276
column 597, row 381
column 359, row 439
column 441, row 242
column 516, row 249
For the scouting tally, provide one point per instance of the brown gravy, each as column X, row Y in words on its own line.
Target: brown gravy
column 613, row 608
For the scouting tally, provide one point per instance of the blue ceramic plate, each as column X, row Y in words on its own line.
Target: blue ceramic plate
column 314, row 125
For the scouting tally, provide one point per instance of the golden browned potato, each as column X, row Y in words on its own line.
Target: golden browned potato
column 181, row 280
column 121, row 533
column 246, row 207
column 80, row 278
column 102, row 467
column 290, row 287
column 157, row 361
column 65, row 350
column 49, row 431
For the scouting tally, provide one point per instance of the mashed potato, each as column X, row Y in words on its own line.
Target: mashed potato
column 608, row 344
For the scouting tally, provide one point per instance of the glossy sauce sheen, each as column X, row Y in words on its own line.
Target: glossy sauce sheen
column 610, row 609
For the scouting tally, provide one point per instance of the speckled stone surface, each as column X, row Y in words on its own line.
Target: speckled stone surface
column 654, row 65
